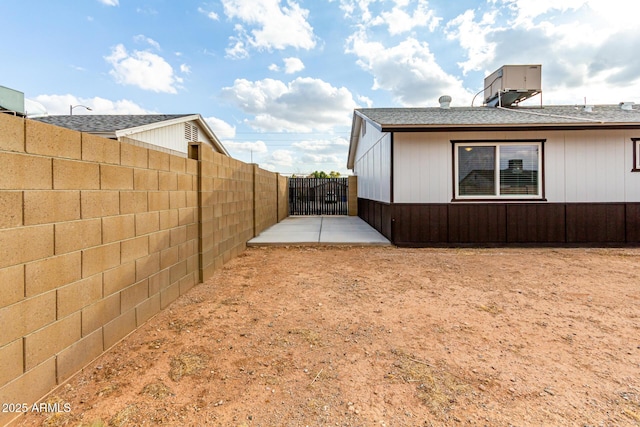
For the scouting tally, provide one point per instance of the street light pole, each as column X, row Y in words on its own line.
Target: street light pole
column 71, row 107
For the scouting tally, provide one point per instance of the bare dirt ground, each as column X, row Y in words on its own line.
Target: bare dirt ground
column 381, row 337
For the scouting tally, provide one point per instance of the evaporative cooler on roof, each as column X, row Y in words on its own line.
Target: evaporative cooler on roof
column 512, row 84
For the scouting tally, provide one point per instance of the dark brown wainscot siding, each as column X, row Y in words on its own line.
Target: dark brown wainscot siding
column 553, row 224
column 477, row 223
column 596, row 222
column 536, row 223
column 377, row 215
column 633, row 223
column 420, row 224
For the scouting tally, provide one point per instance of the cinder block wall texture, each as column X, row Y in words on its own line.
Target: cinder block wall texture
column 353, row 195
column 97, row 236
column 283, row 197
column 266, row 206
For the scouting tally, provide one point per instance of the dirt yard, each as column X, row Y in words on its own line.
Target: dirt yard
column 307, row 336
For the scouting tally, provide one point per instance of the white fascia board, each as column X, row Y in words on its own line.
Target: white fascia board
column 354, row 138
column 108, row 135
column 214, row 139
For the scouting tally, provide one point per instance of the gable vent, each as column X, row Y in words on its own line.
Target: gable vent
column 190, row 132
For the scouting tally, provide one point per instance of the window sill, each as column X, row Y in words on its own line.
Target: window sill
column 500, row 200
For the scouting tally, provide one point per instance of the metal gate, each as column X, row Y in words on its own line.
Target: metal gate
column 318, row 196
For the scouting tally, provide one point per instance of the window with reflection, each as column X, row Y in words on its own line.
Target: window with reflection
column 498, row 170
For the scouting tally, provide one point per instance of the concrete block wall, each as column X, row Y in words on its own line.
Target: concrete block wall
column 96, row 237
column 353, row 195
column 226, row 207
column 283, row 197
column 266, row 206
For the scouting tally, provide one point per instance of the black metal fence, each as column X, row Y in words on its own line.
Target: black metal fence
column 318, row 196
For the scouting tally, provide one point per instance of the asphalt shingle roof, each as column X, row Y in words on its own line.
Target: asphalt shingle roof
column 487, row 116
column 106, row 123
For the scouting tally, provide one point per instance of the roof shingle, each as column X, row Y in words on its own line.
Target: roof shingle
column 106, row 122
column 482, row 116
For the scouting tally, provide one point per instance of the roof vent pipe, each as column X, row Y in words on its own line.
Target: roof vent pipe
column 445, row 101
column 627, row 106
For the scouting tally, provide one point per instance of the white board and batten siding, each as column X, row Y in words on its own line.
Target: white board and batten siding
column 579, row 166
column 175, row 137
column 422, row 168
column 373, row 165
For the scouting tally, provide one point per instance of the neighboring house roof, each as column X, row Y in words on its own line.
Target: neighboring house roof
column 548, row 117
column 116, row 126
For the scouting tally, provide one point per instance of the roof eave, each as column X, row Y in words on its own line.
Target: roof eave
column 212, row 136
column 356, row 122
column 511, row 127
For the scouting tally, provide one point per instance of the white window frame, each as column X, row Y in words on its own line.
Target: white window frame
column 497, row 145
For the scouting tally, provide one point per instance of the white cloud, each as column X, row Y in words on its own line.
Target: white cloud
column 143, row 69
column 293, row 65
column 253, row 147
column 365, row 101
column 400, row 20
column 281, row 158
column 322, row 145
column 185, row 69
column 238, row 49
column 356, row 9
column 302, row 105
column 211, row 15
column 408, row 70
column 334, row 159
column 586, row 47
column 472, row 36
column 60, row 104
column 142, row 39
column 222, row 129
column 528, row 10
column 322, row 154
column 274, row 27
column 110, row 2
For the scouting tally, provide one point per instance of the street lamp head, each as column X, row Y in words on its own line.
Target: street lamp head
column 71, row 107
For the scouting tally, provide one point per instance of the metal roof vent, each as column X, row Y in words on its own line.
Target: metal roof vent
column 445, row 101
column 627, row 106
column 190, row 132
column 588, row 108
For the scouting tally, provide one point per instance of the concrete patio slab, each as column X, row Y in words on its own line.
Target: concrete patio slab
column 320, row 230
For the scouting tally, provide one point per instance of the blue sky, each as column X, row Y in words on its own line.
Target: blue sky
column 277, row 81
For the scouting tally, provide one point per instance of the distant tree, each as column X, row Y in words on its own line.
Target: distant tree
column 316, row 174
column 323, row 174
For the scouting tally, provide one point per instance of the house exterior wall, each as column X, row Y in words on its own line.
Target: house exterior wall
column 373, row 165
column 170, row 137
column 591, row 194
column 579, row 166
column 97, row 236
